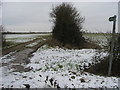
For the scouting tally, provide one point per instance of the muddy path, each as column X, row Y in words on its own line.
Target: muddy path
column 18, row 47
column 21, row 54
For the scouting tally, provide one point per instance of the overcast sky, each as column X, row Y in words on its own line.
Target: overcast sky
column 34, row 16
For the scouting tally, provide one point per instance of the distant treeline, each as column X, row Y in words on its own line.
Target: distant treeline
column 26, row 32
column 46, row 33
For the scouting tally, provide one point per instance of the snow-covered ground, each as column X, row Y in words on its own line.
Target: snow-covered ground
column 20, row 38
column 102, row 40
column 64, row 59
column 5, row 59
column 56, row 67
column 35, row 43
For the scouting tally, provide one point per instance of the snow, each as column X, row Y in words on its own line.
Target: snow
column 20, row 38
column 67, row 59
column 23, row 35
column 39, row 79
column 102, row 40
column 33, row 44
column 7, row 58
column 57, row 67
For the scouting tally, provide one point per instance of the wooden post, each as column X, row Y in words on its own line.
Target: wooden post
column 112, row 44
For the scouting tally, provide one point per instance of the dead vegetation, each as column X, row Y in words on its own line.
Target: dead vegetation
column 86, row 45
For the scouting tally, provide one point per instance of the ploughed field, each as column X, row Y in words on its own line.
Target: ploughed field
column 38, row 65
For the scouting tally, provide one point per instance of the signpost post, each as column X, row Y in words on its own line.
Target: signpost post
column 112, row 43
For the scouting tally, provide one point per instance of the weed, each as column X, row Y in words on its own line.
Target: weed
column 73, row 77
column 60, row 66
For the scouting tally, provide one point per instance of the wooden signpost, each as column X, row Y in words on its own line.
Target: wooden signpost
column 112, row 19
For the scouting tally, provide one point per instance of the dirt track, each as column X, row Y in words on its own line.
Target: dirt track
column 18, row 47
column 22, row 55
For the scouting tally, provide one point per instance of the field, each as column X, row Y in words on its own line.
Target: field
column 14, row 39
column 100, row 39
column 36, row 64
column 18, row 38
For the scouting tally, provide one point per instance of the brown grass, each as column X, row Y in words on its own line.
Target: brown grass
column 86, row 45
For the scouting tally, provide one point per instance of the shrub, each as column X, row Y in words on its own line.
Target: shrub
column 67, row 24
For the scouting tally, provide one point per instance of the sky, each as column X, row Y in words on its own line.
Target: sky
column 34, row 16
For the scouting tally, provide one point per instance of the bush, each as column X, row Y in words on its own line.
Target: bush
column 67, row 25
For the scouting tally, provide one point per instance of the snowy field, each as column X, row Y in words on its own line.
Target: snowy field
column 100, row 39
column 60, row 68
column 20, row 38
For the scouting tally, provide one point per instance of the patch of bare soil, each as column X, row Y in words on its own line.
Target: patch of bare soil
column 100, row 68
column 20, row 68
